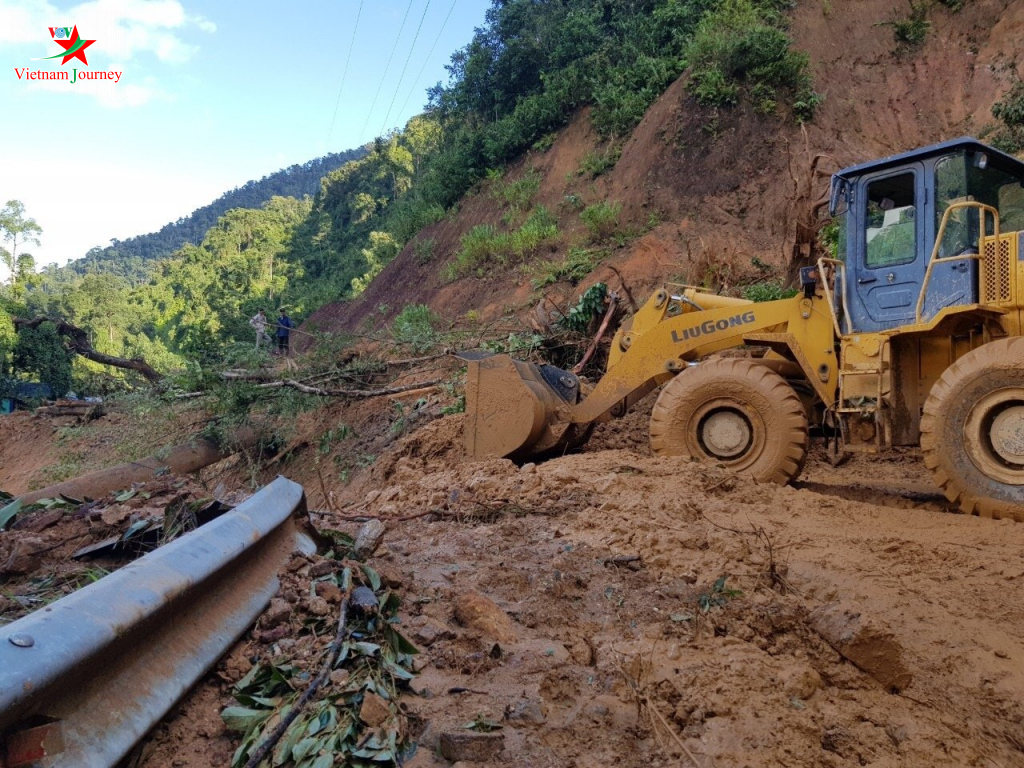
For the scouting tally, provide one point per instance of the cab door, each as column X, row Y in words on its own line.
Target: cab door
column 890, row 252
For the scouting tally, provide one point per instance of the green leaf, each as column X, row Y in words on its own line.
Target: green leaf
column 303, row 748
column 324, row 761
column 243, row 718
column 126, row 495
column 371, row 576
column 367, row 649
column 283, row 753
column 7, row 513
column 399, row 642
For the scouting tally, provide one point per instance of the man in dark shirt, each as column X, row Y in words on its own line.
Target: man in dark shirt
column 284, row 326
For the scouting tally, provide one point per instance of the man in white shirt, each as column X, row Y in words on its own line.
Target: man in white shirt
column 259, row 323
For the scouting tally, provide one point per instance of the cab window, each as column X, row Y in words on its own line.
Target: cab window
column 891, row 231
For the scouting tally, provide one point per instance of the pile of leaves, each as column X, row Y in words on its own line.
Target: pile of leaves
column 353, row 718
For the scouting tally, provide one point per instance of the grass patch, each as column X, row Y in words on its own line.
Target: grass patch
column 576, row 265
column 600, row 161
column 602, row 219
column 768, row 290
column 417, row 326
column 485, row 245
column 910, row 31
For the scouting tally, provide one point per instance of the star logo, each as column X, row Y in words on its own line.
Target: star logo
column 74, row 48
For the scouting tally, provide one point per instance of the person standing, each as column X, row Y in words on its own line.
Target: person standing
column 259, row 323
column 284, row 326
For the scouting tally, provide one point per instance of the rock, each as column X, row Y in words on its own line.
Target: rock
column 318, row 606
column 339, row 677
column 800, row 682
column 39, row 523
column 471, row 746
column 864, row 642
column 482, row 614
column 26, row 555
column 116, row 514
column 329, row 592
column 838, row 739
column 364, row 601
column 432, row 631
column 273, row 635
column 322, row 568
column 374, row 710
column 369, row 539
column 279, row 612
column 525, row 711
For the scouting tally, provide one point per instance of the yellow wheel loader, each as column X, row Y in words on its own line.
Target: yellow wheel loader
column 913, row 336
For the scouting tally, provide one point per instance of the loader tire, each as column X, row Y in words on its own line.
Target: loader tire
column 972, row 431
column 735, row 412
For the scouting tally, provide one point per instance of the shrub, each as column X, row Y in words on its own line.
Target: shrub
column 602, row 219
column 416, row 325
column 577, row 264
column 485, row 244
column 600, row 161
column 741, row 42
column 911, row 30
column 768, row 291
column 518, row 194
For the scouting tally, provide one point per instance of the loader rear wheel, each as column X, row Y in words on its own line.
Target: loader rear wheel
column 972, row 430
column 734, row 411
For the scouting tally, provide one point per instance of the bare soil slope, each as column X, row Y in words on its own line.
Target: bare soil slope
column 730, row 187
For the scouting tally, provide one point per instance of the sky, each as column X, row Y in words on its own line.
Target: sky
column 211, row 94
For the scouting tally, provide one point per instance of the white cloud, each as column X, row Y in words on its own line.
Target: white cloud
column 122, row 28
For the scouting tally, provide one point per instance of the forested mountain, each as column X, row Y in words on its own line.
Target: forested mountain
column 127, row 258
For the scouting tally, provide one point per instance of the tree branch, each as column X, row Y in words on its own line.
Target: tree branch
column 78, row 342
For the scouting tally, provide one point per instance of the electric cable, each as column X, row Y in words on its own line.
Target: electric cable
column 344, row 74
column 391, row 58
column 427, row 60
column 405, row 68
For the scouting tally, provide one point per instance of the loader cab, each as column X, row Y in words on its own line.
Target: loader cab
column 890, row 211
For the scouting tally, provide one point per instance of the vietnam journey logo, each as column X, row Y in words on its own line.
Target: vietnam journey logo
column 74, row 46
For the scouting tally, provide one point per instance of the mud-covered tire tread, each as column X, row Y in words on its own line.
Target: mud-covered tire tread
column 789, row 442
column 939, row 453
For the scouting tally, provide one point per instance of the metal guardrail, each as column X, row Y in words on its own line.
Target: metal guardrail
column 85, row 678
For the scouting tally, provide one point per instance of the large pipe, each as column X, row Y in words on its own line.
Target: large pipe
column 83, row 679
column 180, row 460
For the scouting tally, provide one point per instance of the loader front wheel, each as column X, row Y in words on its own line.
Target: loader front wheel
column 972, row 430
column 736, row 412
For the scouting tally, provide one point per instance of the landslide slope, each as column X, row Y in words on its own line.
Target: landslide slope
column 704, row 193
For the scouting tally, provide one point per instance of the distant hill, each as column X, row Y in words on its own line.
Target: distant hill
column 130, row 258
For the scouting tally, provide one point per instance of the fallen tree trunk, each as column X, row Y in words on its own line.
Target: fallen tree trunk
column 355, row 394
column 79, row 343
column 182, row 459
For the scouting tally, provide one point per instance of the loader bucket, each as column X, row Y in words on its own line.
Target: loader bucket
column 517, row 410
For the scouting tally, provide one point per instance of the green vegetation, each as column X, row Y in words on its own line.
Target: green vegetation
column 601, row 161
column 911, row 30
column 485, row 245
column 602, row 219
column 577, row 264
column 1009, row 110
column 743, row 43
column 768, row 291
column 417, row 326
column 590, row 306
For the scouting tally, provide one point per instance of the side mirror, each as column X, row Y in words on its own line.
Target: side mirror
column 839, row 197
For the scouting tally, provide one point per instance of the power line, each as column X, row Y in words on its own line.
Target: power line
column 386, row 68
column 344, row 74
column 427, row 60
column 406, row 67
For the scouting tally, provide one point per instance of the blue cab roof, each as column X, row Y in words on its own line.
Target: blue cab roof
column 997, row 158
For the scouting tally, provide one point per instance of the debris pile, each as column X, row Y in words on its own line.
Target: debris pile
column 53, row 547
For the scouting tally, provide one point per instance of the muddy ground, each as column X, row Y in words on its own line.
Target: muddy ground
column 664, row 613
